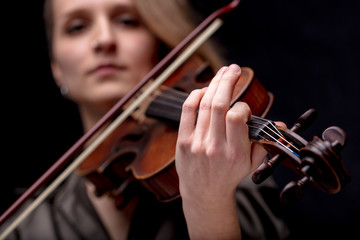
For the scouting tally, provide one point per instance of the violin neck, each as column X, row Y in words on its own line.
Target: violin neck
column 168, row 105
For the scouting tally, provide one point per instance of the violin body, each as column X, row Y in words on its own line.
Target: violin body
column 141, row 154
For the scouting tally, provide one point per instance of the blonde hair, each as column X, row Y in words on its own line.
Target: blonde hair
column 171, row 21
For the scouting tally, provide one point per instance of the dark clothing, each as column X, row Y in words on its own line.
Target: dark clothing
column 69, row 215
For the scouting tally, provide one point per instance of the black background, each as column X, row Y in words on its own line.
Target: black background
column 305, row 52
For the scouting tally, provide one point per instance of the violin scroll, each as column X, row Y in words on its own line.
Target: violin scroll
column 317, row 162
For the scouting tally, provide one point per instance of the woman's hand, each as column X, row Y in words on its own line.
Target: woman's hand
column 213, row 155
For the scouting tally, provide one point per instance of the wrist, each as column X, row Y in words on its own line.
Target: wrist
column 212, row 217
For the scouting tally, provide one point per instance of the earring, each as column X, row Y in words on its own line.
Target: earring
column 64, row 91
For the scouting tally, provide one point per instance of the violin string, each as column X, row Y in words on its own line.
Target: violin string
column 278, row 134
column 176, row 96
column 170, row 98
column 275, row 140
column 256, row 118
column 175, row 91
column 174, row 106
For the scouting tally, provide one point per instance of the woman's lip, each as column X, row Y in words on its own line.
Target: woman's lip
column 105, row 70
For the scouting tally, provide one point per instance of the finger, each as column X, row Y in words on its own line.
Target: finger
column 280, row 124
column 237, row 131
column 222, row 99
column 258, row 154
column 205, row 104
column 189, row 113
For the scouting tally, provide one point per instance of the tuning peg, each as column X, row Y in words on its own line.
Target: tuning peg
column 293, row 191
column 304, row 121
column 336, row 136
column 266, row 169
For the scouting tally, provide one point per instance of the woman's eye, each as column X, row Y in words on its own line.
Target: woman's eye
column 127, row 21
column 75, row 27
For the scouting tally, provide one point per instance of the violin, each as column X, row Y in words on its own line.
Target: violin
column 136, row 147
column 140, row 153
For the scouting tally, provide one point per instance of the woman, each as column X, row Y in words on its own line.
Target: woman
column 99, row 50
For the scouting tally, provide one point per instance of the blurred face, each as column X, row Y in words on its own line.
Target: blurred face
column 101, row 49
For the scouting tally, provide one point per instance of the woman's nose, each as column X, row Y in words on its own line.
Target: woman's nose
column 104, row 39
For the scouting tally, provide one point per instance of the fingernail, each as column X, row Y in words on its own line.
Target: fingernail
column 234, row 68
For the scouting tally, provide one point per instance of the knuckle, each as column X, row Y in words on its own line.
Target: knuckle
column 205, row 105
column 233, row 117
column 196, row 148
column 188, row 107
column 219, row 106
column 211, row 150
column 244, row 107
column 191, row 103
column 183, row 144
column 239, row 113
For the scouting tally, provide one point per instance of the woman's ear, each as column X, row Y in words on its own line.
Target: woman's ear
column 57, row 75
column 56, row 72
